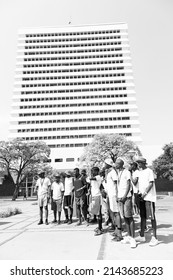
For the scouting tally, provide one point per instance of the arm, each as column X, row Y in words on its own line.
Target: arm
column 127, row 191
column 148, row 189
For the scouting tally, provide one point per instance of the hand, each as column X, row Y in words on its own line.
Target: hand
column 123, row 199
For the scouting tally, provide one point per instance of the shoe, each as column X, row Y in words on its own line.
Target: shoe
column 86, row 223
column 93, row 221
column 66, row 221
column 69, row 222
column 99, row 232
column 114, row 234
column 78, row 224
column 40, row 222
column 97, row 229
column 140, row 239
column 126, row 240
column 46, row 222
column 117, row 239
column 54, row 221
column 132, row 242
column 153, row 241
column 59, row 222
column 111, row 229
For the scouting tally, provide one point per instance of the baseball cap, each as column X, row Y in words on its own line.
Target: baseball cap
column 142, row 160
column 109, row 161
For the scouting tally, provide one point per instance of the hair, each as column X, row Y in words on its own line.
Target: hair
column 135, row 164
column 76, row 169
column 95, row 168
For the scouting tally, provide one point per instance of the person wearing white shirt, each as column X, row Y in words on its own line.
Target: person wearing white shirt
column 95, row 206
column 57, row 192
column 147, row 193
column 112, row 192
column 125, row 201
column 43, row 191
column 68, row 197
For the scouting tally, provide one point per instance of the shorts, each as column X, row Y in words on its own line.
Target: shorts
column 43, row 200
column 113, row 204
column 95, row 205
column 126, row 208
column 57, row 205
column 147, row 209
column 68, row 201
column 81, row 201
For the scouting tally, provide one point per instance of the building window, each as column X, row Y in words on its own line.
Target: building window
column 69, row 159
column 58, row 160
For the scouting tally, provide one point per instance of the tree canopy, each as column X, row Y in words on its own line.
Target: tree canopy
column 20, row 158
column 163, row 165
column 107, row 145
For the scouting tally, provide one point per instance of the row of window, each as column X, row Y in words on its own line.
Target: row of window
column 74, row 112
column 73, row 128
column 73, row 90
column 71, row 57
column 64, row 145
column 74, row 97
column 74, row 105
column 72, row 33
column 74, row 120
column 74, row 84
column 73, row 39
column 73, row 45
column 73, row 70
column 72, row 64
column 73, row 77
column 73, row 51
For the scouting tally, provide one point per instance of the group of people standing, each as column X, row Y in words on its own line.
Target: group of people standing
column 115, row 192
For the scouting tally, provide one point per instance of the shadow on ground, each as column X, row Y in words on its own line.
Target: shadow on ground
column 4, row 223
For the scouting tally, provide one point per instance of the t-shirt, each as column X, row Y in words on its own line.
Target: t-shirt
column 68, row 183
column 57, row 189
column 110, row 184
column 43, row 185
column 145, row 177
column 78, row 183
column 135, row 175
column 123, row 177
column 95, row 186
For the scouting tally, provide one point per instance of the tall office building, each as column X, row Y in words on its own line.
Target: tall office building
column 72, row 83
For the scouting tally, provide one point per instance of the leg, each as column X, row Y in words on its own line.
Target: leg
column 59, row 217
column 55, row 214
column 46, row 214
column 41, row 214
column 66, row 214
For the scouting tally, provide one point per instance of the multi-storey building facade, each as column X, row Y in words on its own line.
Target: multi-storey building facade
column 72, row 83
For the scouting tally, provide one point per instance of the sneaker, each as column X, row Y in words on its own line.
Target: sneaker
column 97, row 229
column 140, row 239
column 99, row 232
column 66, row 221
column 59, row 222
column 132, row 242
column 78, row 224
column 40, row 222
column 86, row 223
column 153, row 241
column 69, row 222
column 126, row 240
column 117, row 239
column 54, row 221
column 93, row 221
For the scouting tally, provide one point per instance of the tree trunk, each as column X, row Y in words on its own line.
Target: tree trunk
column 15, row 194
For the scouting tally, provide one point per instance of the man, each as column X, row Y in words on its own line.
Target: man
column 80, row 188
column 57, row 193
column 147, row 194
column 95, row 206
column 111, row 189
column 68, row 197
column 135, row 184
column 43, row 191
column 125, row 201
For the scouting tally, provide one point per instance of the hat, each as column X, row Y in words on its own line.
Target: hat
column 142, row 160
column 40, row 171
column 57, row 175
column 109, row 161
column 67, row 172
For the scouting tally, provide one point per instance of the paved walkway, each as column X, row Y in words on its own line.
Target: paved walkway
column 21, row 238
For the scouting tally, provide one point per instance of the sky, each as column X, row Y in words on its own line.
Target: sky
column 151, row 44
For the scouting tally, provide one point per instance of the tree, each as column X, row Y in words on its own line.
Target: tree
column 163, row 165
column 21, row 159
column 107, row 145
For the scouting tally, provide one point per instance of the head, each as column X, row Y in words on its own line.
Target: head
column 57, row 178
column 95, row 171
column 119, row 163
column 102, row 173
column 141, row 163
column 108, row 163
column 83, row 172
column 68, row 174
column 76, row 172
column 134, row 166
column 41, row 174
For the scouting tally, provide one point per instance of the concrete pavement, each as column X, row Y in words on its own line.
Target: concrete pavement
column 22, row 239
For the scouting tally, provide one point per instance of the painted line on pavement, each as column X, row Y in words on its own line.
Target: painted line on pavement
column 102, row 247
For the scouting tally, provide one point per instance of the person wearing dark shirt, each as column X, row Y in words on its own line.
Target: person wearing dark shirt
column 80, row 188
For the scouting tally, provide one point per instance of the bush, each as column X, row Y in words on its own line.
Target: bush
column 10, row 212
